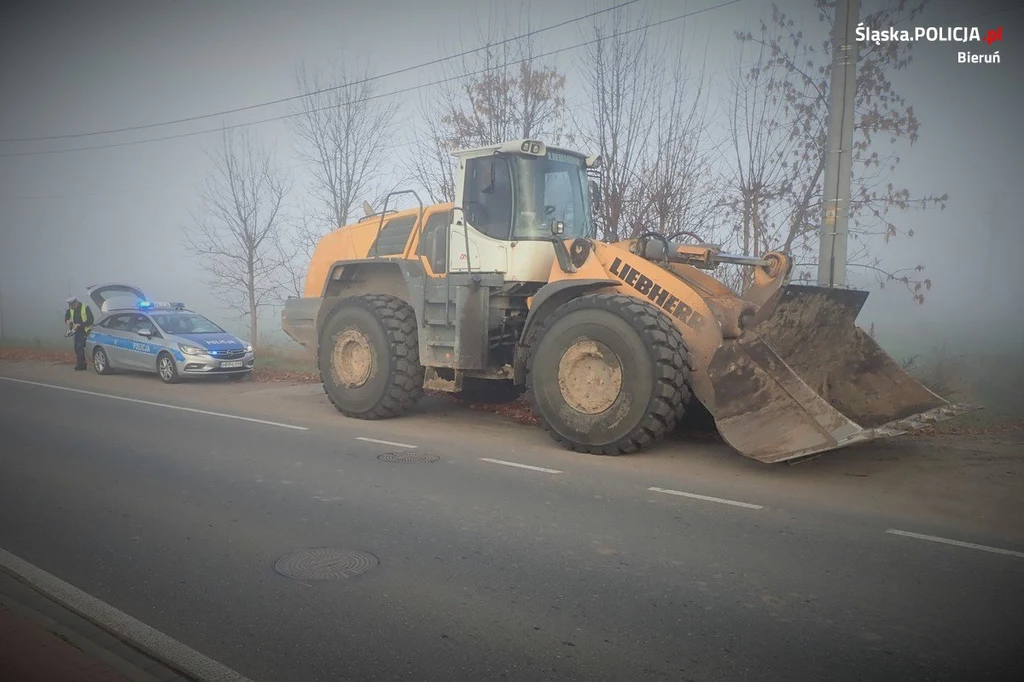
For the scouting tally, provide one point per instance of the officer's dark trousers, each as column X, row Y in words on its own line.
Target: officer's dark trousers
column 80, row 350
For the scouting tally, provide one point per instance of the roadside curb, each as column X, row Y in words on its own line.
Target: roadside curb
column 189, row 663
column 103, row 650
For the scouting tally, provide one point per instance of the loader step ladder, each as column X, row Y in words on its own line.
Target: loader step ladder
column 455, row 320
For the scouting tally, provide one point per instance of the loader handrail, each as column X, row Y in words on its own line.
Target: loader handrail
column 384, row 212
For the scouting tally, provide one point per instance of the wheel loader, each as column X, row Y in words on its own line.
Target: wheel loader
column 507, row 290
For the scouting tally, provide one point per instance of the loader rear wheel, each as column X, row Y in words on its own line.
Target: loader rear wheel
column 608, row 374
column 369, row 357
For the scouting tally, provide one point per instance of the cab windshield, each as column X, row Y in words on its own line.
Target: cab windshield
column 185, row 323
column 547, row 189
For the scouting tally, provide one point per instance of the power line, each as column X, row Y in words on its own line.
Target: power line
column 292, row 98
column 371, row 97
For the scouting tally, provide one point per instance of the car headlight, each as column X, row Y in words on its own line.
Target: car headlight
column 248, row 348
column 190, row 350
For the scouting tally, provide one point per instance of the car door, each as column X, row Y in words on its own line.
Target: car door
column 141, row 351
column 113, row 337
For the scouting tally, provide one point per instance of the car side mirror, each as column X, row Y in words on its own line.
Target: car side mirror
column 557, row 227
column 145, row 331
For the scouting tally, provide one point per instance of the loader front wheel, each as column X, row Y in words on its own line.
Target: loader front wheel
column 608, row 374
column 369, row 357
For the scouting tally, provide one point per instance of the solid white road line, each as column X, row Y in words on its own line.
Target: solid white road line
column 519, row 466
column 947, row 541
column 120, row 624
column 695, row 496
column 150, row 402
column 386, row 442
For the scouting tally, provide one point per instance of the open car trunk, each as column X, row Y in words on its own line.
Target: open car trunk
column 106, row 295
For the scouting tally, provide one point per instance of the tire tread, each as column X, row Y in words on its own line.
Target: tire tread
column 672, row 371
column 399, row 322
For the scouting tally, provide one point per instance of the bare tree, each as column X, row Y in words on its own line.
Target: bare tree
column 508, row 94
column 795, row 75
column 430, row 165
column 345, row 127
column 648, row 121
column 766, row 161
column 237, row 232
column 680, row 194
column 620, row 82
column 296, row 247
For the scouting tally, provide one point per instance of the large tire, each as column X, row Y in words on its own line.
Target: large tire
column 369, row 357
column 608, row 374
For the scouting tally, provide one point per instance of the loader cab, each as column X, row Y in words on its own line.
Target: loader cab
column 511, row 200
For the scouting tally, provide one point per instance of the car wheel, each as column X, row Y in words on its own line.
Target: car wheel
column 166, row 368
column 100, row 362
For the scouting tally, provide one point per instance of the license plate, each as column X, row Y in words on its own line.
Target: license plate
column 231, row 363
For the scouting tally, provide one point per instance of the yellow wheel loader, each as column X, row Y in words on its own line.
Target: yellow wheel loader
column 509, row 289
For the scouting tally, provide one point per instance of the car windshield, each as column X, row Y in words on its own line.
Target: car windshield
column 186, row 323
column 550, row 188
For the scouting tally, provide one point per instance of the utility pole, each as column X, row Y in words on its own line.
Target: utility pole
column 839, row 147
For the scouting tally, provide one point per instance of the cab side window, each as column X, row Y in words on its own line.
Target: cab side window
column 434, row 241
column 487, row 200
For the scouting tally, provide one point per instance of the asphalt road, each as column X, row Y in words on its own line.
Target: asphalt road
column 486, row 571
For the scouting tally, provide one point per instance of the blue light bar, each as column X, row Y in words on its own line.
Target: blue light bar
column 161, row 304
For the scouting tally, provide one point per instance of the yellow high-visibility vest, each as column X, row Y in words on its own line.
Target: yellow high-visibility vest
column 80, row 314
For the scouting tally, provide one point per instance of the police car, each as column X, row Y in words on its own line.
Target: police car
column 135, row 333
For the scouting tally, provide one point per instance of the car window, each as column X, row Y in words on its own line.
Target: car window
column 186, row 323
column 119, row 323
column 139, row 321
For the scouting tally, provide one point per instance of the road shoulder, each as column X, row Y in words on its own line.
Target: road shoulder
column 41, row 639
column 47, row 621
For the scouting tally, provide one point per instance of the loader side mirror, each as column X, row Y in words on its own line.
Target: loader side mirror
column 557, row 228
column 595, row 195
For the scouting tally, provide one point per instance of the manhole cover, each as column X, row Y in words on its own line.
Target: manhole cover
column 325, row 563
column 408, row 457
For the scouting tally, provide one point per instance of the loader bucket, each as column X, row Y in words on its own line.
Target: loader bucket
column 805, row 379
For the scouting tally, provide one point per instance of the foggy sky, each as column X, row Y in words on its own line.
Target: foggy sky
column 73, row 219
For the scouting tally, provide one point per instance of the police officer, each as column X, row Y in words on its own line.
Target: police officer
column 79, row 320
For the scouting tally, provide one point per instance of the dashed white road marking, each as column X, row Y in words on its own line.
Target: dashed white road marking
column 958, row 543
column 706, row 498
column 155, row 404
column 141, row 636
column 520, row 466
column 386, row 442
